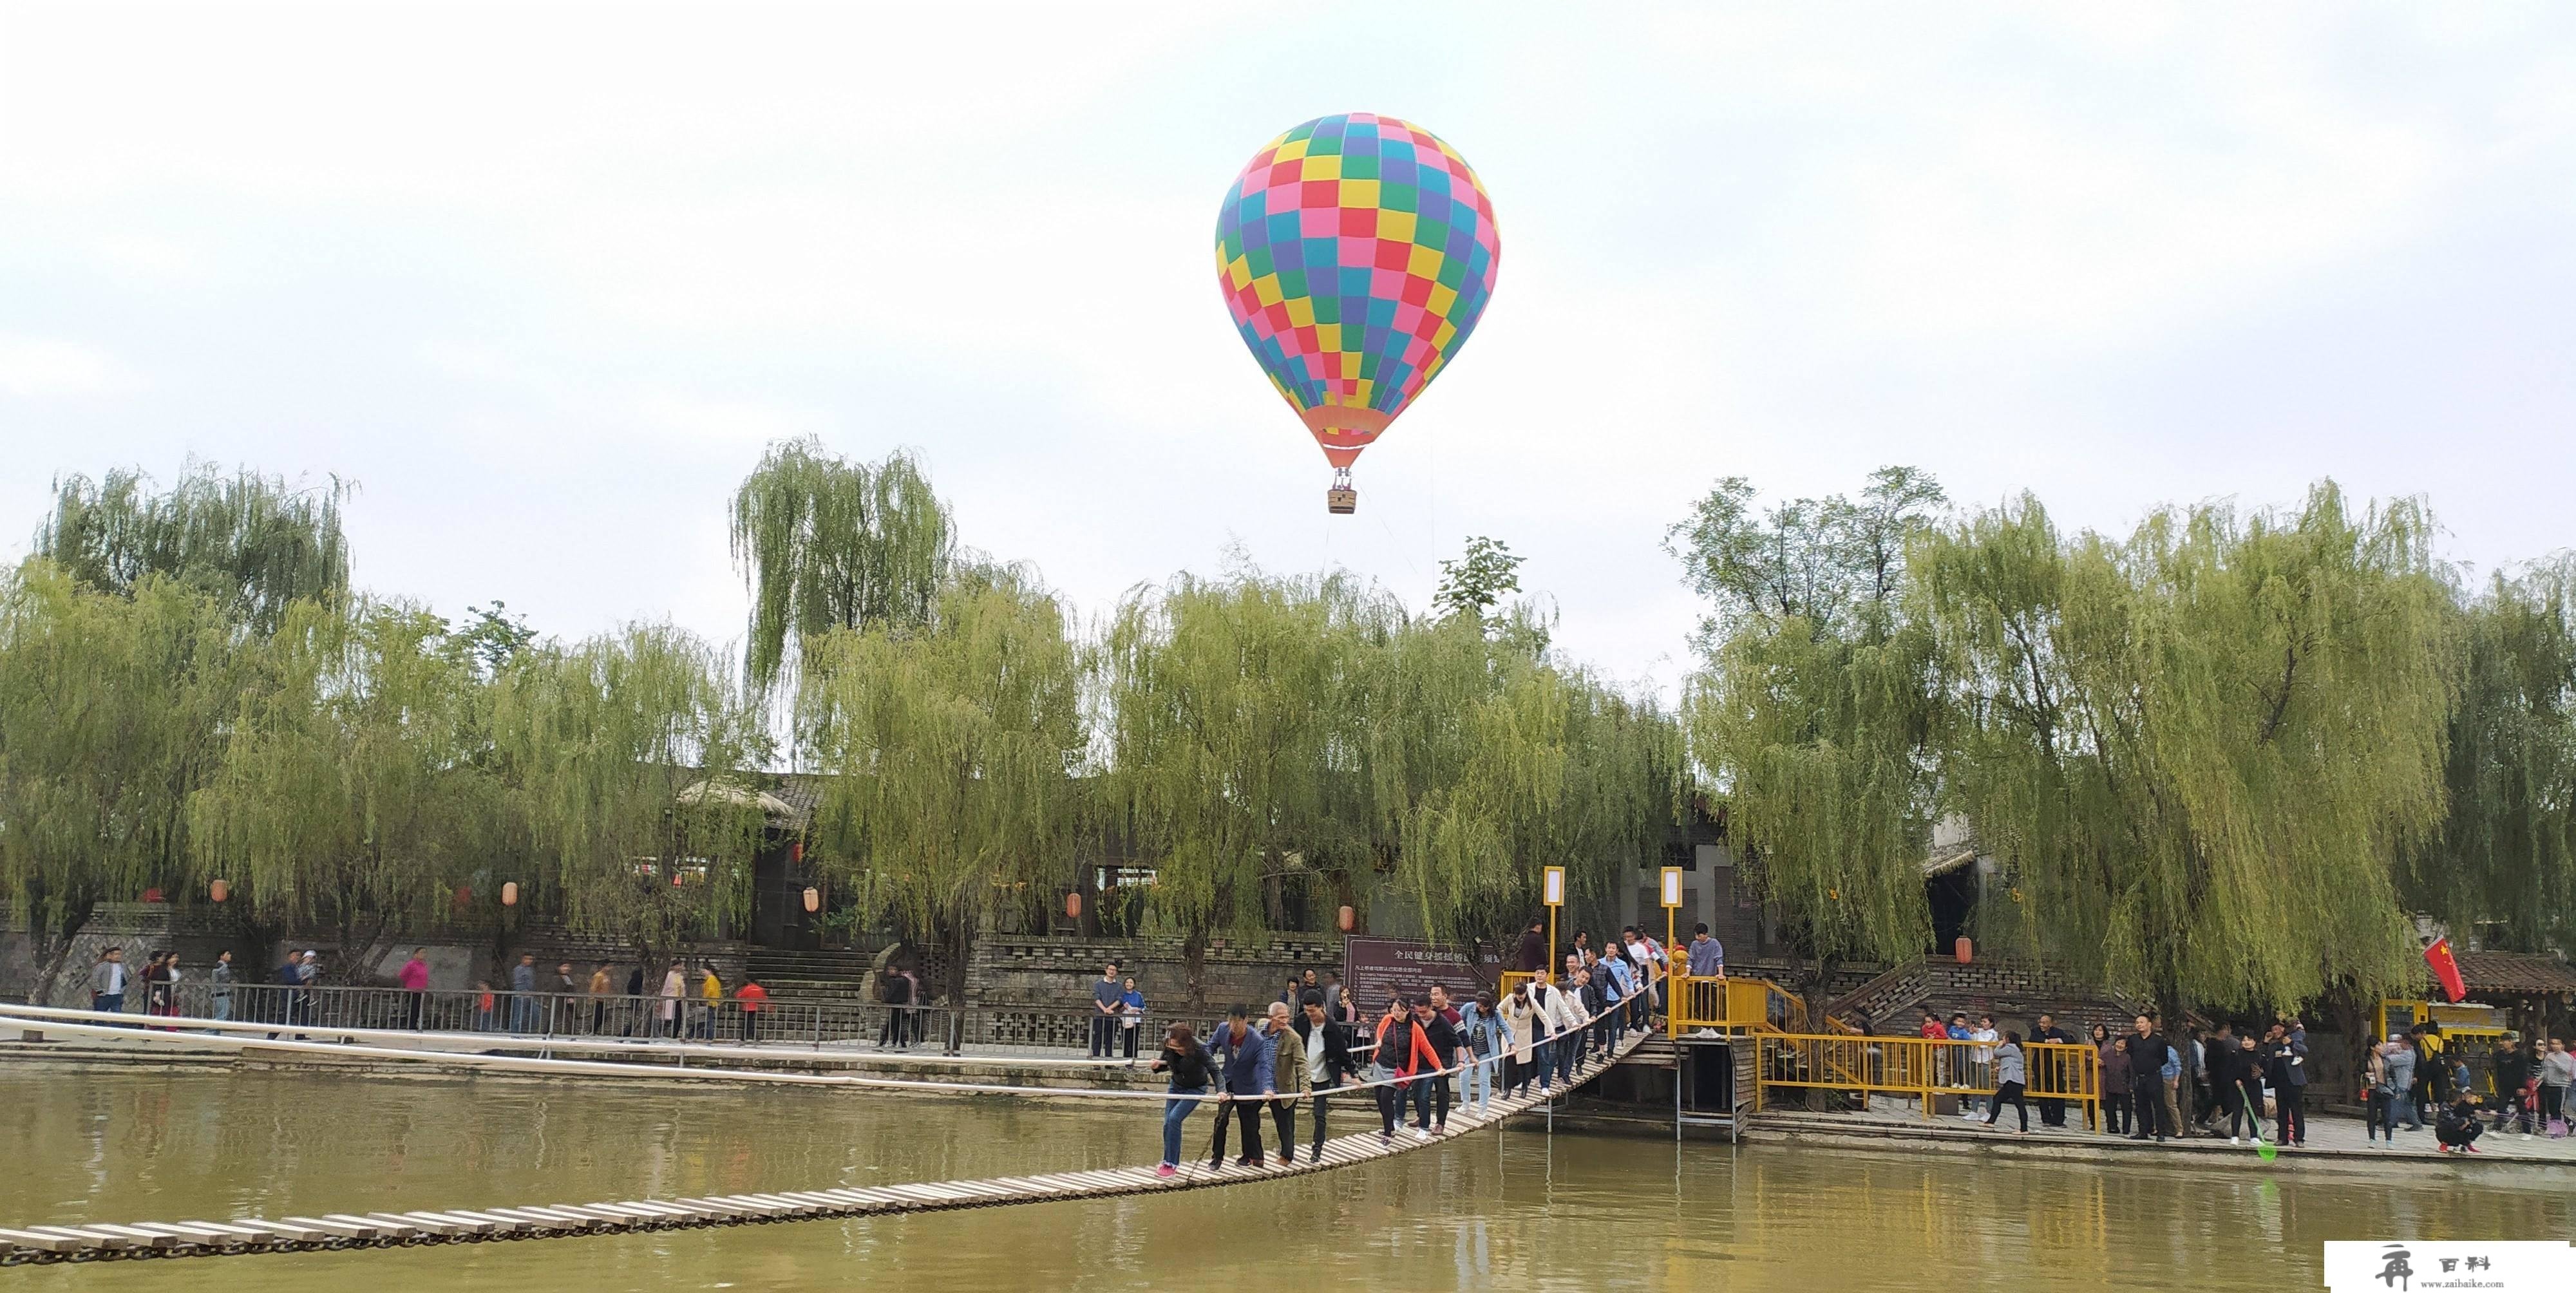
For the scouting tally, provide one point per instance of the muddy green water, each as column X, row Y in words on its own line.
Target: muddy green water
column 1515, row 1210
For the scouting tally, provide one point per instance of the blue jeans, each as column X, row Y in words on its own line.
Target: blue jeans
column 1176, row 1112
column 224, row 1007
column 1477, row 1083
column 1566, row 1047
column 1543, row 1060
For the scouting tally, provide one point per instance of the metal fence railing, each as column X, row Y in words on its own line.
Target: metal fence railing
column 1922, row 1068
column 537, row 1016
column 542, row 1015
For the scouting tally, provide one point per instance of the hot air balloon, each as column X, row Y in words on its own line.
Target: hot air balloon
column 1356, row 253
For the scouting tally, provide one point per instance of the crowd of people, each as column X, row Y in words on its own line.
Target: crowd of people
column 2414, row 1078
column 2251, row 1085
column 1308, row 1046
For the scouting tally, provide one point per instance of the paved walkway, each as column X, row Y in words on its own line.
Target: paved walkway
column 2337, row 1133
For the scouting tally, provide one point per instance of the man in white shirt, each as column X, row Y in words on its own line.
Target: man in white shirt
column 1564, row 1016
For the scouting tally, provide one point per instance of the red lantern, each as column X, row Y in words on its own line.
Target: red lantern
column 796, row 851
column 510, row 894
column 1348, row 918
column 1073, row 906
column 464, row 896
column 813, row 900
column 219, row 890
column 1965, row 950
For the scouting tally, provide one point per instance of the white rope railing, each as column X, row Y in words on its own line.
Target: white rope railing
column 106, row 1026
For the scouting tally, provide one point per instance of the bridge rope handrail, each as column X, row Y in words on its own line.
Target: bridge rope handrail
column 44, row 1244
column 90, row 1023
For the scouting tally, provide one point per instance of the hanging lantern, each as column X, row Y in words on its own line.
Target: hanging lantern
column 1348, row 918
column 510, row 894
column 1965, row 949
column 796, row 851
column 219, row 890
column 1073, row 906
column 813, row 899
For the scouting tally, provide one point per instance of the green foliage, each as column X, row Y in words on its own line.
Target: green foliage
column 1513, row 764
column 109, row 711
column 1819, row 708
column 353, row 791
column 1475, row 583
column 490, row 637
column 827, row 544
column 2505, row 862
column 1812, row 559
column 2199, row 754
column 947, row 749
column 1235, row 744
column 251, row 542
column 597, row 744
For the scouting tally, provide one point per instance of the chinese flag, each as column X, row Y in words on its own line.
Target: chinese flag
column 2446, row 968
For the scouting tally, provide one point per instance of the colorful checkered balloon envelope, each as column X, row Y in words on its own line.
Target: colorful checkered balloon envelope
column 1356, row 253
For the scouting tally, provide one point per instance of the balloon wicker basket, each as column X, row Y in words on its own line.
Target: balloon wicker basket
column 1341, row 500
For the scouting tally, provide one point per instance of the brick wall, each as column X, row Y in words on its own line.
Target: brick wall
column 1033, row 989
column 2014, row 992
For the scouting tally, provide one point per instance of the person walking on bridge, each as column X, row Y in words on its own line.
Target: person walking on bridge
column 1191, row 1074
column 1436, row 1046
column 1556, row 1060
column 1487, row 1038
column 1323, row 1047
column 1288, row 1077
column 1522, row 1027
column 1244, row 1081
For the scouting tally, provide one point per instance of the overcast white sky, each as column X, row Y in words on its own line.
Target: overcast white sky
column 544, row 280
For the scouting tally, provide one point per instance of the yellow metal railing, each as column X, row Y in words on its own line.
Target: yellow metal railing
column 1731, row 1006
column 1921, row 1067
column 1514, row 978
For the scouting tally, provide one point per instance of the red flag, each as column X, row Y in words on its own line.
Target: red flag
column 2446, row 968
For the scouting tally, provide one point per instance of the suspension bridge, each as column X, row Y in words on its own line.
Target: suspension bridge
column 254, row 1235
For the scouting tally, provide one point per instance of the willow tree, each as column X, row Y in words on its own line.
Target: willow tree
column 352, row 792
column 2200, row 754
column 253, row 543
column 108, row 720
column 1818, row 710
column 1509, row 764
column 947, row 749
column 626, row 761
column 827, row 544
column 2505, row 860
column 1231, row 709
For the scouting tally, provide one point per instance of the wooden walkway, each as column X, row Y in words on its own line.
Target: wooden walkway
column 45, row 1244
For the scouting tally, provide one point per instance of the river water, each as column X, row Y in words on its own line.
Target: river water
column 1517, row 1209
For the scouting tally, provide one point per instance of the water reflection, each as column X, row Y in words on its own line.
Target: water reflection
column 1520, row 1210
